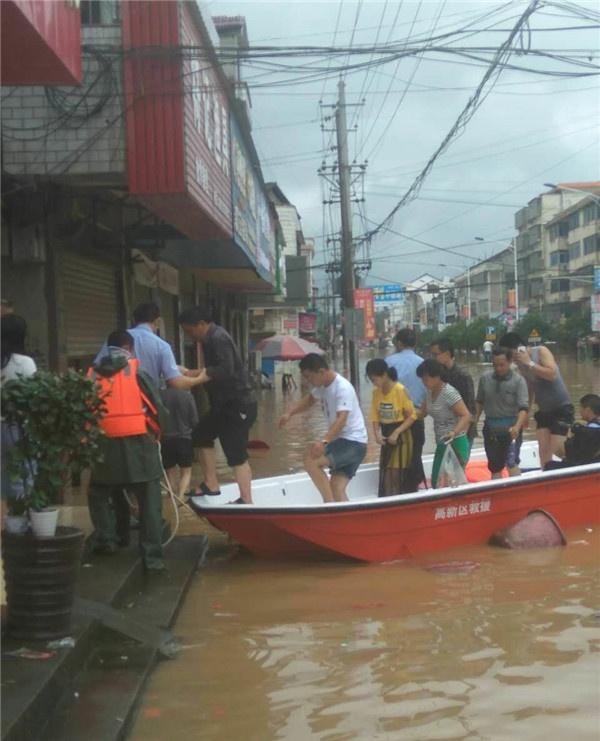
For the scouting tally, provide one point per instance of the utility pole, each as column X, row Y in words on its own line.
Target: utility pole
column 350, row 350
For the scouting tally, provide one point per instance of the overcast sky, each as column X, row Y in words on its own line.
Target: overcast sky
column 530, row 130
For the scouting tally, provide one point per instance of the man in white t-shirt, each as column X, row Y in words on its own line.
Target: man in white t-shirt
column 344, row 445
column 488, row 346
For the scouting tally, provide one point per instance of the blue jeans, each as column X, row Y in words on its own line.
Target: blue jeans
column 345, row 456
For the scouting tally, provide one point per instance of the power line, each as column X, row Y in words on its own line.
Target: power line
column 467, row 113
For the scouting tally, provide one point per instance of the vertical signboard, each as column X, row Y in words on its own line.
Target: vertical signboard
column 177, row 119
column 363, row 299
column 252, row 227
column 244, row 195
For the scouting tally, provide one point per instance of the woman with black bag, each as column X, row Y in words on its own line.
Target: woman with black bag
column 392, row 415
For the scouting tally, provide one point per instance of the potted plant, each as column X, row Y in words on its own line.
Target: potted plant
column 56, row 419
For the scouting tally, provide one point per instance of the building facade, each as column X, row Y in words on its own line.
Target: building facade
column 573, row 238
column 482, row 290
column 533, row 244
column 142, row 183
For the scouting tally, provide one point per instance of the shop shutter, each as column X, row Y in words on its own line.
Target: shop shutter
column 91, row 303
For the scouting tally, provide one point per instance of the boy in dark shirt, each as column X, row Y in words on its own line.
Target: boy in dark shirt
column 176, row 443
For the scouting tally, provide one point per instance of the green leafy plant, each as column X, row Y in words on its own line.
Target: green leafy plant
column 57, row 418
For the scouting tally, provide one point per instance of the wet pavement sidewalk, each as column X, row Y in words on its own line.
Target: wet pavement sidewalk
column 89, row 688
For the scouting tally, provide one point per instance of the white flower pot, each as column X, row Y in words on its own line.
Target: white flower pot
column 16, row 524
column 44, row 523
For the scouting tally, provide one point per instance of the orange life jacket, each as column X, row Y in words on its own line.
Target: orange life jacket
column 127, row 409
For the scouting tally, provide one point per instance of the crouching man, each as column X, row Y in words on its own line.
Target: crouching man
column 582, row 445
column 130, row 450
column 343, row 447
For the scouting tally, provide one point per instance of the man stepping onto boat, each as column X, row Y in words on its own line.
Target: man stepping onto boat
column 502, row 394
column 344, row 445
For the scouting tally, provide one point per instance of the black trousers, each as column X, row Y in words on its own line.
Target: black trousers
column 415, row 473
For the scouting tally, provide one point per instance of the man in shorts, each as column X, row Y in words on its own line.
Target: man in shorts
column 233, row 407
column 176, row 441
column 555, row 412
column 344, row 445
column 502, row 394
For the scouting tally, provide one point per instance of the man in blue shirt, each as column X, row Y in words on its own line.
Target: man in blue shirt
column 406, row 361
column 155, row 355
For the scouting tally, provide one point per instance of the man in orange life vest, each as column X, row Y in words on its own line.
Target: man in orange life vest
column 131, row 458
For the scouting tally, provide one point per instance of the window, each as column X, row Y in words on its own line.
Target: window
column 99, row 12
column 559, row 285
column 590, row 213
column 573, row 220
column 535, row 232
column 560, row 257
column 589, row 245
column 574, row 250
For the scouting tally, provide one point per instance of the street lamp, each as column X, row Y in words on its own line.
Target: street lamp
column 592, row 195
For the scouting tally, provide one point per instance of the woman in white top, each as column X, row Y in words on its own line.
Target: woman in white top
column 14, row 361
column 14, row 365
column 451, row 418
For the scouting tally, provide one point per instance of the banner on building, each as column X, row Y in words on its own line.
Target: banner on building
column 388, row 294
column 363, row 299
column 307, row 322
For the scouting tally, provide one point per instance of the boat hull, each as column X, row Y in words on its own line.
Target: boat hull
column 380, row 530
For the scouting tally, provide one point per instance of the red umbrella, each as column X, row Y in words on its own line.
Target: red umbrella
column 286, row 347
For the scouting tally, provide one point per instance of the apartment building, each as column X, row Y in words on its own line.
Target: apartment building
column 573, row 238
column 483, row 289
column 532, row 240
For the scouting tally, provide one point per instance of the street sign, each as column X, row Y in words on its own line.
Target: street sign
column 490, row 333
column 534, row 337
column 389, row 294
column 596, row 278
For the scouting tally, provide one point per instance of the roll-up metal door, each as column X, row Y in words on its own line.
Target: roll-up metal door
column 91, row 303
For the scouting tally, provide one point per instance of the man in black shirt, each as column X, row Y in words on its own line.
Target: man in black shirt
column 232, row 402
column 443, row 351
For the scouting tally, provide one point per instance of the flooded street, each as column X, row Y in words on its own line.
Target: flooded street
column 476, row 643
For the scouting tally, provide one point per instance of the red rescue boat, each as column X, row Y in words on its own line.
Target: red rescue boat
column 289, row 519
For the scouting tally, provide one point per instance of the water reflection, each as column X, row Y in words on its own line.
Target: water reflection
column 338, row 651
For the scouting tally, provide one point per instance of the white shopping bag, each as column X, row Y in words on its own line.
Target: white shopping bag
column 451, row 472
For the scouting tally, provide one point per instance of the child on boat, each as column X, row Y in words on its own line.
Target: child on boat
column 392, row 415
column 582, row 445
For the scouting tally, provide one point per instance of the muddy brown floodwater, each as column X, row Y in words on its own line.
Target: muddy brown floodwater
column 475, row 643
